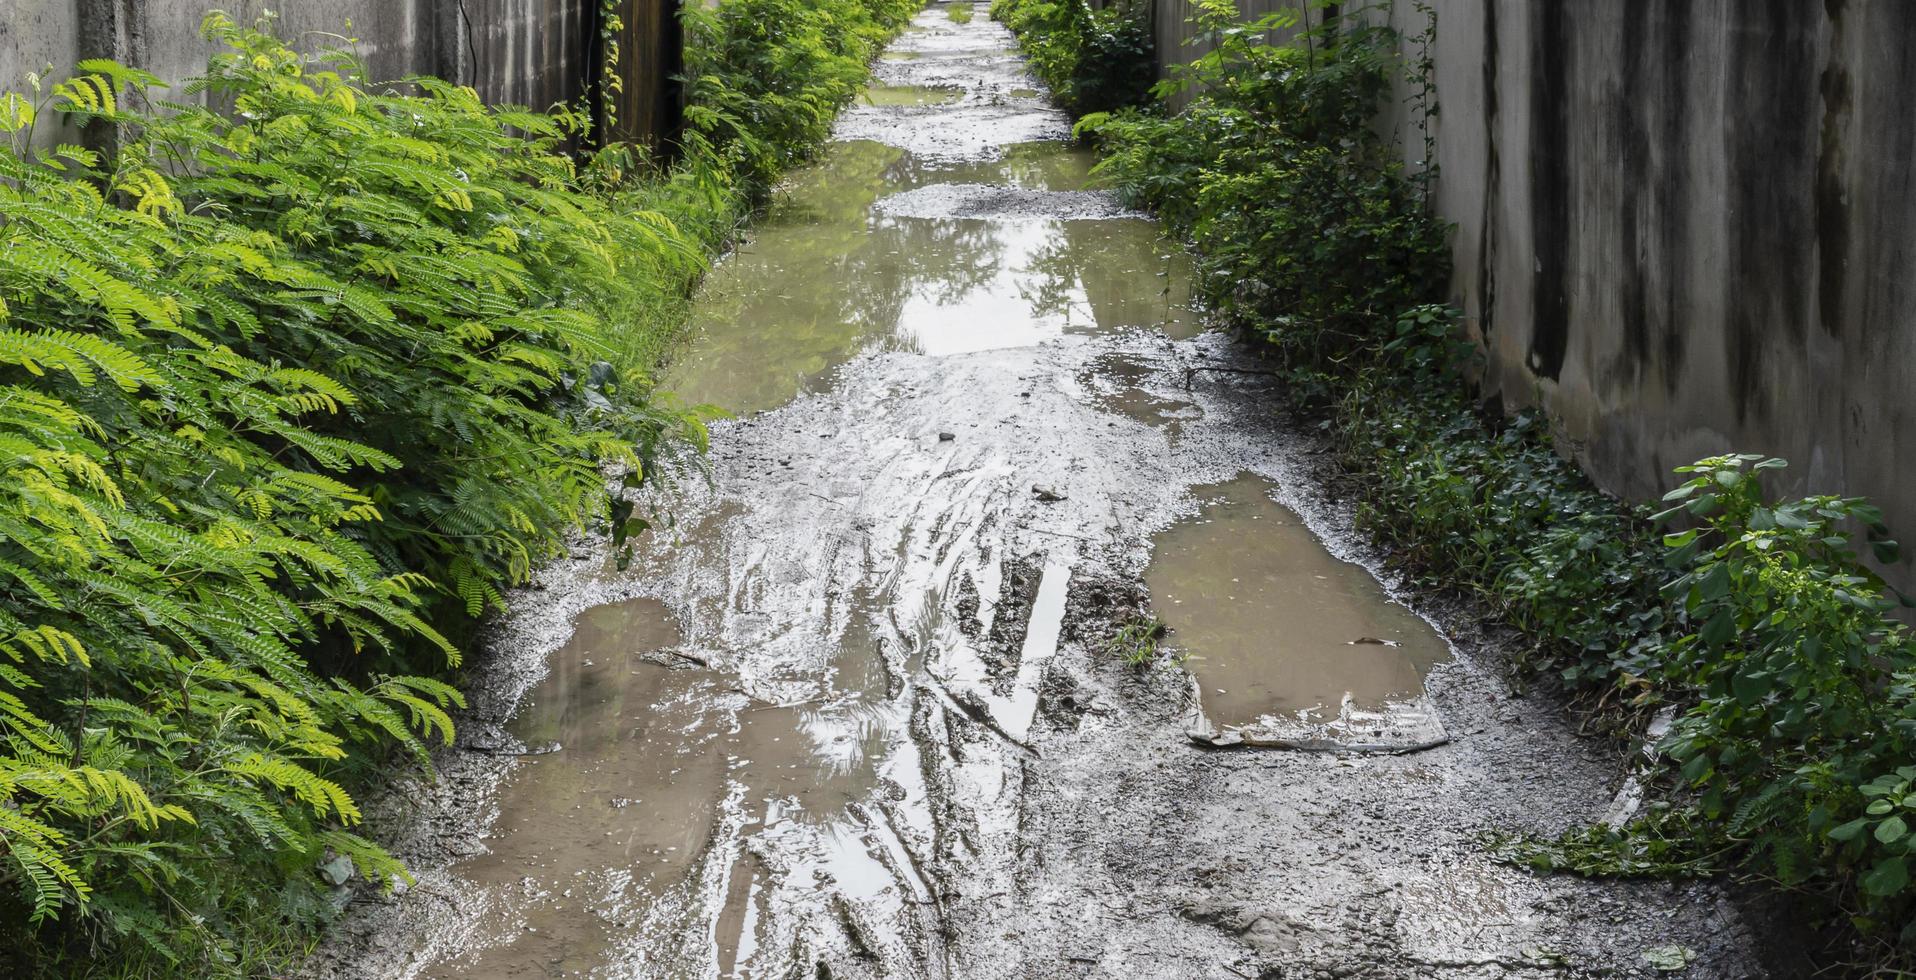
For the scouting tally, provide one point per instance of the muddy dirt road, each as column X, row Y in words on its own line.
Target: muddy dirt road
column 858, row 714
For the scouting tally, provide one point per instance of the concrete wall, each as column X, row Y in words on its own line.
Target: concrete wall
column 41, row 36
column 36, row 34
column 1688, row 227
column 524, row 52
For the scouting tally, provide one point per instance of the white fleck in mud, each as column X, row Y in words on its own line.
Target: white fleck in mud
column 855, row 716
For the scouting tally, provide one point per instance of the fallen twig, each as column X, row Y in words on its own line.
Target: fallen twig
column 1240, row 740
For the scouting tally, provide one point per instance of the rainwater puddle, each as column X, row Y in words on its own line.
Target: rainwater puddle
column 826, row 276
column 683, row 824
column 1123, row 386
column 1273, row 624
column 649, row 778
column 909, row 95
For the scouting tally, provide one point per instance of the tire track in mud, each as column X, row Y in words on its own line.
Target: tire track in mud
column 879, row 734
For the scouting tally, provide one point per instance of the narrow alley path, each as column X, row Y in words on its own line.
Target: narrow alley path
column 859, row 713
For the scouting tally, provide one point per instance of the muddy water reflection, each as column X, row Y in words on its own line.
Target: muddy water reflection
column 1272, row 622
column 824, row 277
column 637, row 764
column 909, row 95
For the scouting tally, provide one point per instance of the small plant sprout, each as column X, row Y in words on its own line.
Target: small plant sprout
column 1137, row 639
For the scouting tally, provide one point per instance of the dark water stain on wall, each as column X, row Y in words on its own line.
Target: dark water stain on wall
column 1832, row 192
column 1883, row 203
column 1551, row 61
column 1769, row 145
column 1636, row 190
column 528, row 53
column 1649, row 118
column 1673, row 224
column 1493, row 178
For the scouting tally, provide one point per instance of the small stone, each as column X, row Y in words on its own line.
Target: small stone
column 1669, row 959
column 946, row 436
column 336, row 871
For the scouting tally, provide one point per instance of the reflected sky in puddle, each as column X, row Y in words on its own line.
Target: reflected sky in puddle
column 824, row 278
column 1275, row 624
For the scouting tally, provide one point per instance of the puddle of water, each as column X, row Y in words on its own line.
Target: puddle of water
column 1023, row 93
column 1040, row 645
column 1046, row 165
column 909, row 95
column 1122, row 385
column 650, row 763
column 1272, row 622
column 612, row 798
column 824, row 277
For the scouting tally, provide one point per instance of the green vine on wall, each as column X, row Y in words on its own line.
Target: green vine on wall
column 611, row 83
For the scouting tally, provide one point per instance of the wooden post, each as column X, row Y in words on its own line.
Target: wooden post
column 651, row 43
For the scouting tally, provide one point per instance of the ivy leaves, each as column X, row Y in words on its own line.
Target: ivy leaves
column 1886, row 820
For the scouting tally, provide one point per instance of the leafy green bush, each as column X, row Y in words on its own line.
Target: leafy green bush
column 1498, row 512
column 288, row 391
column 1802, row 733
column 1307, row 226
column 461, row 277
column 292, row 389
column 1093, row 59
column 766, row 78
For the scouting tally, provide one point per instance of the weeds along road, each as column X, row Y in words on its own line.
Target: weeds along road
column 860, row 713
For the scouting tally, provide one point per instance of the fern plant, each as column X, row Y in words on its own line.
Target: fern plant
column 285, row 393
column 166, row 551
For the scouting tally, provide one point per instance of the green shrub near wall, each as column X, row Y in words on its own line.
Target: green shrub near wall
column 1792, row 749
column 1094, row 59
column 291, row 391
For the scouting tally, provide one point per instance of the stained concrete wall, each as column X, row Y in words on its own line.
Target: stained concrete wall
column 1688, row 227
column 534, row 53
column 39, row 36
column 36, row 34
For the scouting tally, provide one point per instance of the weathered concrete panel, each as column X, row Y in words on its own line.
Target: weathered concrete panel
column 650, row 56
column 38, row 36
column 1687, row 227
column 535, row 53
column 393, row 36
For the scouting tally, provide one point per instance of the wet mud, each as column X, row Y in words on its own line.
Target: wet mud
column 856, row 715
column 1271, row 624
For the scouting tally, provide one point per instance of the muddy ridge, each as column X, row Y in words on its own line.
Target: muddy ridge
column 857, row 713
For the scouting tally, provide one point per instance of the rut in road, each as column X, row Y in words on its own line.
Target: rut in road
column 856, row 715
